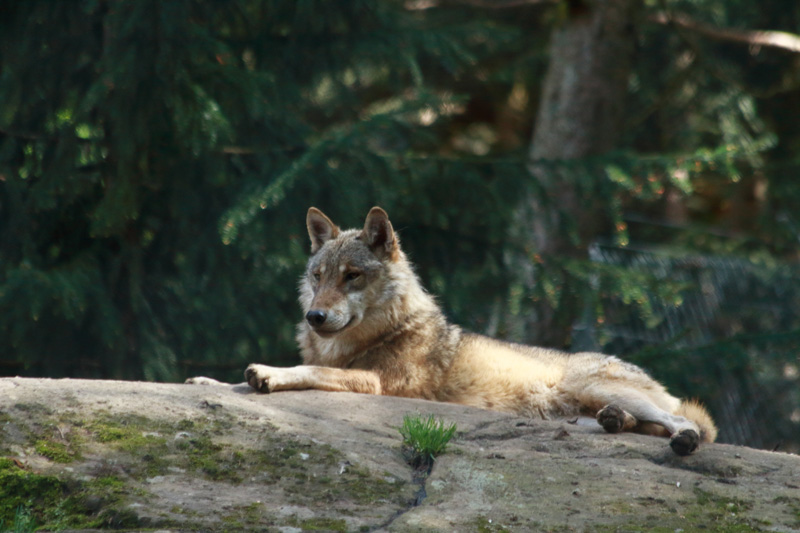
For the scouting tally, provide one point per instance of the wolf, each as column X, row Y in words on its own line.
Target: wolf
column 370, row 327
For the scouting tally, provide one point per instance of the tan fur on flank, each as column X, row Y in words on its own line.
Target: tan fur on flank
column 370, row 327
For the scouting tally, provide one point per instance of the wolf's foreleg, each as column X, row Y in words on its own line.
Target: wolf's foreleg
column 270, row 379
column 202, row 380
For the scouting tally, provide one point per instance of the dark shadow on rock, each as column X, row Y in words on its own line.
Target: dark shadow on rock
column 243, row 388
column 714, row 465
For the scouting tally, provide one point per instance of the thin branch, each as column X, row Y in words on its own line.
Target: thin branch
column 237, row 150
column 248, row 150
column 754, row 38
column 418, row 5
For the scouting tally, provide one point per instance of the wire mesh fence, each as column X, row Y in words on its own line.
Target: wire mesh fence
column 733, row 339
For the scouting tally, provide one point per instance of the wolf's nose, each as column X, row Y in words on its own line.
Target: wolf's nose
column 315, row 317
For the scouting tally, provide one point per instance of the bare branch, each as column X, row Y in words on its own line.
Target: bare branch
column 418, row 5
column 237, row 150
column 754, row 38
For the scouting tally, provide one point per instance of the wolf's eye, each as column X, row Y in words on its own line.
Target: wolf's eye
column 316, row 276
column 350, row 276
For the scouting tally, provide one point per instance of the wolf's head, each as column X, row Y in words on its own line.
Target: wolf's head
column 352, row 275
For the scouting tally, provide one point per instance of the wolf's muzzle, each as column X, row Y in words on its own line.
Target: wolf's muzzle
column 316, row 318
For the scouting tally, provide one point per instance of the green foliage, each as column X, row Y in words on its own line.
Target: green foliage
column 23, row 522
column 425, row 438
column 157, row 160
column 154, row 173
column 21, row 490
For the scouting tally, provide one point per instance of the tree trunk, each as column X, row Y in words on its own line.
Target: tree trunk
column 580, row 114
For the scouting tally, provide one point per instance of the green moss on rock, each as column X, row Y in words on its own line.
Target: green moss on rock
column 20, row 488
column 57, row 503
column 319, row 524
column 55, row 451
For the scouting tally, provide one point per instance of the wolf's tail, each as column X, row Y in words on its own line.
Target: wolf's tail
column 695, row 412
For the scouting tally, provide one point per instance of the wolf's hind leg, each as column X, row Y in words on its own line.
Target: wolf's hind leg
column 684, row 436
column 631, row 410
column 613, row 419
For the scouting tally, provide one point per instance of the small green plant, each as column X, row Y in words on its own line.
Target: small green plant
column 23, row 522
column 425, row 438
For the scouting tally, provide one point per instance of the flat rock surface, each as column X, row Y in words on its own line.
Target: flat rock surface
column 134, row 455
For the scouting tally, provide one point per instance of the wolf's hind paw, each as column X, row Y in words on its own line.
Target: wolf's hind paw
column 684, row 442
column 259, row 383
column 612, row 418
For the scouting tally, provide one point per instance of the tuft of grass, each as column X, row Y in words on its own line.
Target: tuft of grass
column 23, row 522
column 425, row 438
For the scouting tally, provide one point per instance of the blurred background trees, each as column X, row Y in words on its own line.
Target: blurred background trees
column 616, row 176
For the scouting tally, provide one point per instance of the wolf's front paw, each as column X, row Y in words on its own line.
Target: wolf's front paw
column 257, row 376
column 684, row 442
column 202, row 380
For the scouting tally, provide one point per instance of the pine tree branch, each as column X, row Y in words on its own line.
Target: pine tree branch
column 754, row 38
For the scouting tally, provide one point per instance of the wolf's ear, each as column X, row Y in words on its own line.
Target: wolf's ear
column 320, row 228
column 379, row 235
